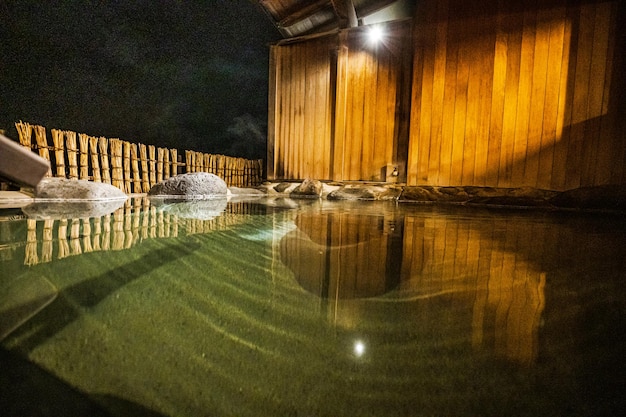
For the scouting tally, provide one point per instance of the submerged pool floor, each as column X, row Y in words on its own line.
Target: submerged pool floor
column 312, row 308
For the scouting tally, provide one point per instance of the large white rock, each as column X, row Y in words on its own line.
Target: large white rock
column 64, row 189
column 191, row 185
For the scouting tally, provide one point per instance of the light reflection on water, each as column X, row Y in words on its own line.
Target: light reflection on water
column 281, row 307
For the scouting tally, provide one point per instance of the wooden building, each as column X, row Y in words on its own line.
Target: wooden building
column 501, row 93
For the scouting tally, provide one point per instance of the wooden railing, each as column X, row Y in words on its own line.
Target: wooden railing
column 134, row 168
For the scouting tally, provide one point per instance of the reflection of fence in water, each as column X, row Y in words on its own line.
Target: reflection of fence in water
column 123, row 229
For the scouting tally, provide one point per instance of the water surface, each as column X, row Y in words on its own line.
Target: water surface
column 314, row 308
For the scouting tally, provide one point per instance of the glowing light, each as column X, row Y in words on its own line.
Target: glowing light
column 359, row 348
column 376, row 34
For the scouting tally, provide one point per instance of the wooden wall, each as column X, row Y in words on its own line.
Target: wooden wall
column 487, row 93
column 517, row 93
column 334, row 110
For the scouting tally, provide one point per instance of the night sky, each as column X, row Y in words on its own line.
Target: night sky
column 178, row 74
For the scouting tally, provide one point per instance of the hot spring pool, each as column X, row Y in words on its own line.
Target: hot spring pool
column 312, row 308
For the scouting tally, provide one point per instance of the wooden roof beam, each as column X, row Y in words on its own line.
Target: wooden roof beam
column 346, row 12
column 297, row 14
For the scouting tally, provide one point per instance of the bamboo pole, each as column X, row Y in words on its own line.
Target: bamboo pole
column 207, row 162
column 42, row 145
column 152, row 162
column 143, row 156
column 83, row 141
column 188, row 161
column 159, row 167
column 152, row 231
column 127, row 171
column 166, row 164
column 72, row 162
column 135, row 164
column 174, row 154
column 59, row 154
column 95, row 163
column 103, row 144
column 24, row 131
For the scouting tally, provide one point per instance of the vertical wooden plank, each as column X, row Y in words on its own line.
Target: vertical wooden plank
column 552, row 95
column 537, row 98
column 485, row 65
column 273, row 75
column 577, row 153
column 308, row 110
column 416, row 170
column 435, row 134
column 566, row 98
column 368, row 171
column 341, row 109
column 598, row 69
column 449, row 98
column 499, row 82
column 383, row 114
column 520, row 146
column 610, row 161
column 356, row 68
column 460, row 154
column 513, row 23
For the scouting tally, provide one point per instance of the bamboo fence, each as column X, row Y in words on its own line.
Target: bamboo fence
column 131, row 167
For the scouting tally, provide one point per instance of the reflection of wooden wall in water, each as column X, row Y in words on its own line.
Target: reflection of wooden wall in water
column 466, row 261
column 343, row 255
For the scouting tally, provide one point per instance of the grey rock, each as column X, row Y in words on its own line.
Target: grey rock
column 59, row 210
column 191, row 185
column 64, row 189
column 308, row 188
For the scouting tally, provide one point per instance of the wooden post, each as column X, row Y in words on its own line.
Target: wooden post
column 95, row 163
column 64, row 247
column 84, row 156
column 72, row 161
column 59, row 152
column 103, row 145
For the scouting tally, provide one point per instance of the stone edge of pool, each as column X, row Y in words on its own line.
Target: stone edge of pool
column 594, row 198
